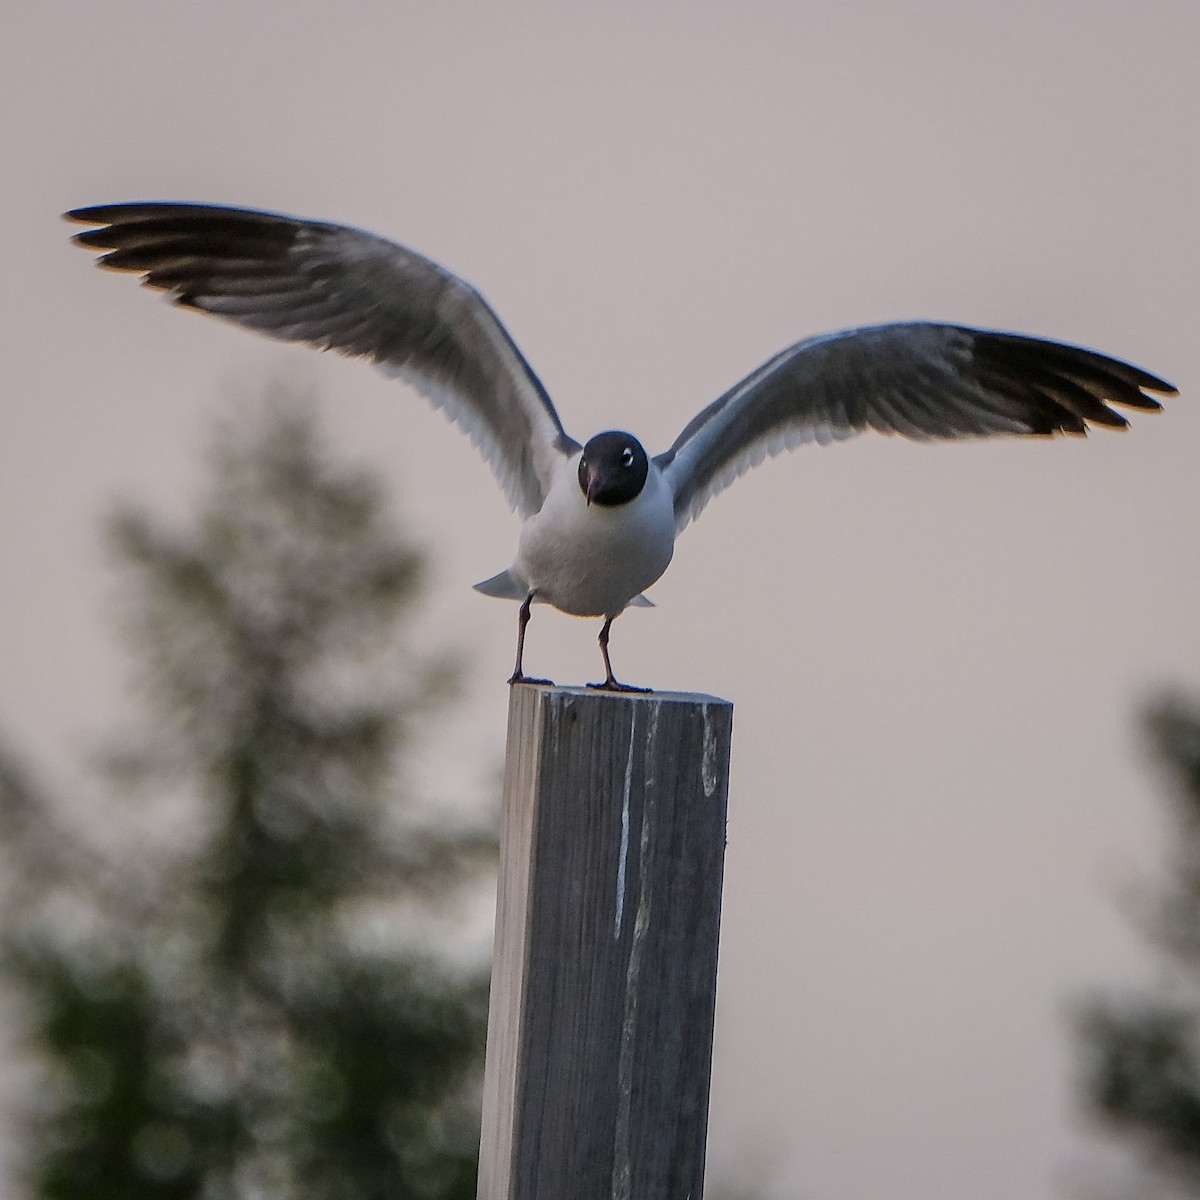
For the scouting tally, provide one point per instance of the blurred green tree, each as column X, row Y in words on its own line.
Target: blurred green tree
column 225, row 986
column 1141, row 1056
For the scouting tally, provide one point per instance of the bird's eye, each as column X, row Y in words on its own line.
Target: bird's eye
column 627, row 457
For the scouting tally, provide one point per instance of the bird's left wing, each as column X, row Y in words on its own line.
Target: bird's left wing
column 339, row 288
column 918, row 379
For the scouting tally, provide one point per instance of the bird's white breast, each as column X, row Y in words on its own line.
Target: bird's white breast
column 591, row 560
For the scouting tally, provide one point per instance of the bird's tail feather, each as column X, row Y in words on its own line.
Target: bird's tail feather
column 505, row 586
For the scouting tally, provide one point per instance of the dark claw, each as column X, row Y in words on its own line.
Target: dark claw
column 615, row 685
column 518, row 677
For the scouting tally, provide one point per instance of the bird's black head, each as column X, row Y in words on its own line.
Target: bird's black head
column 613, row 468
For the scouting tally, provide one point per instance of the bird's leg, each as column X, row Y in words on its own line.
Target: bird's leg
column 611, row 683
column 519, row 676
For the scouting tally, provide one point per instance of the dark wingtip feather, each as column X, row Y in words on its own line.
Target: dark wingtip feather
column 141, row 210
column 84, row 216
column 1074, row 385
column 134, row 210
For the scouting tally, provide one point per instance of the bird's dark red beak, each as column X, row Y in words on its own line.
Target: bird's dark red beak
column 594, row 480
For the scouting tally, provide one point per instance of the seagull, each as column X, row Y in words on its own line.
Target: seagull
column 598, row 520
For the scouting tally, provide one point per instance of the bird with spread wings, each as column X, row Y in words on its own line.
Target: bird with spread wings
column 598, row 520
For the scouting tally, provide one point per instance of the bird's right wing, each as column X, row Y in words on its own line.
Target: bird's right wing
column 339, row 288
column 916, row 379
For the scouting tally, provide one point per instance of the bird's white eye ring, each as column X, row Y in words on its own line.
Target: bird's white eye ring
column 627, row 457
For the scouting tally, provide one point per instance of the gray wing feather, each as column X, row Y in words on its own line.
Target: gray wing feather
column 918, row 380
column 344, row 289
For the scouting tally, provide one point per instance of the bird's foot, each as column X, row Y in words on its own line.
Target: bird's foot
column 521, row 677
column 615, row 685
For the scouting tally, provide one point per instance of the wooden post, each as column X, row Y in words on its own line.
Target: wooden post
column 600, row 1028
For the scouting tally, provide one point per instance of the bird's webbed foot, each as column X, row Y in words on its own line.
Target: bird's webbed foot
column 611, row 682
column 615, row 685
column 521, row 677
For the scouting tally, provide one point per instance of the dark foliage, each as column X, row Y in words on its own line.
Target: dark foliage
column 1142, row 1055
column 225, row 983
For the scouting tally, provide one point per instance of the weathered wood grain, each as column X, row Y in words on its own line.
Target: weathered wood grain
column 604, row 978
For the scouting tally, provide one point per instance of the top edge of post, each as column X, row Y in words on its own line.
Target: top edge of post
column 600, row 694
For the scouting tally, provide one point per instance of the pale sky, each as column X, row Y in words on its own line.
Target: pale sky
column 935, row 652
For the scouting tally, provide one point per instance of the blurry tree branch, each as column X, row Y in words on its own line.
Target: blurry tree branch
column 1141, row 1055
column 207, row 1015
